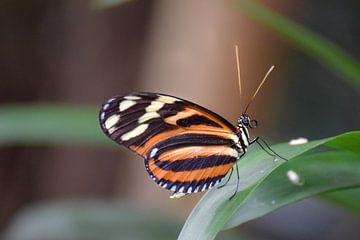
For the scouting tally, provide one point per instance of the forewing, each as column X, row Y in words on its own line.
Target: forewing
column 186, row 147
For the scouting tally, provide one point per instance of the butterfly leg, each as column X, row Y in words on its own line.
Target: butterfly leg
column 237, row 182
column 231, row 172
column 271, row 153
column 238, row 177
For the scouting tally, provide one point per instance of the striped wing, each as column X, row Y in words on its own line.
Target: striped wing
column 186, row 147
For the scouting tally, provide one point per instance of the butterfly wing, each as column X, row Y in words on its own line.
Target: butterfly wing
column 186, row 147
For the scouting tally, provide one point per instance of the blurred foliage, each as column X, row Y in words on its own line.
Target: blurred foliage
column 265, row 185
column 350, row 198
column 85, row 219
column 321, row 49
column 50, row 123
column 100, row 4
column 90, row 220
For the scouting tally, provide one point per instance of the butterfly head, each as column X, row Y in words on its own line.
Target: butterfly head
column 245, row 121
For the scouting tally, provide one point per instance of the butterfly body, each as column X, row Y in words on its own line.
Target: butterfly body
column 186, row 148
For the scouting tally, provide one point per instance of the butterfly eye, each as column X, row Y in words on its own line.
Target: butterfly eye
column 253, row 123
column 243, row 120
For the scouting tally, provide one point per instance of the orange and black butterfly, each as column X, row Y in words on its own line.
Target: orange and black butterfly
column 187, row 148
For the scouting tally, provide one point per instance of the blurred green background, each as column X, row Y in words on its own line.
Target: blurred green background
column 60, row 178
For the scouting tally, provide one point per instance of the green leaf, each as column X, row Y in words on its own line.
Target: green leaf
column 349, row 141
column 321, row 49
column 349, row 198
column 257, row 169
column 50, row 123
column 318, row 173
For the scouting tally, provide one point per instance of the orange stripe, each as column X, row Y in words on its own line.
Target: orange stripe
column 196, row 151
column 185, row 113
column 163, row 135
column 188, row 112
column 186, row 176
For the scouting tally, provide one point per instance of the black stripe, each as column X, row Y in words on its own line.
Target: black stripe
column 195, row 163
column 145, row 95
column 171, row 109
column 196, row 120
column 190, row 139
column 196, row 106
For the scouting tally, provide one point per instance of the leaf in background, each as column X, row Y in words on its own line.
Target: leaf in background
column 49, row 124
column 324, row 51
column 103, row 4
column 86, row 219
column 215, row 210
column 349, row 198
column 89, row 219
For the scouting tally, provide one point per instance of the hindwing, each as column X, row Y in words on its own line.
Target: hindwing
column 187, row 148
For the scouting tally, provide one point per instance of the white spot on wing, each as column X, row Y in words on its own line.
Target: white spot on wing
column 166, row 99
column 106, row 106
column 126, row 104
column 173, row 188
column 189, row 190
column 154, row 106
column 111, row 100
column 147, row 116
column 102, row 116
column 153, row 152
column 111, row 121
column 298, row 141
column 135, row 132
column 182, row 189
column 132, row 97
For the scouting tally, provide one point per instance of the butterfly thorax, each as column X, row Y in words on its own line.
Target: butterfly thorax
column 244, row 123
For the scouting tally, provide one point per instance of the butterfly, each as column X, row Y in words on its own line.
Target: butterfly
column 186, row 147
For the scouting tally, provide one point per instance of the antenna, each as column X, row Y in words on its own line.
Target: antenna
column 257, row 90
column 238, row 68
